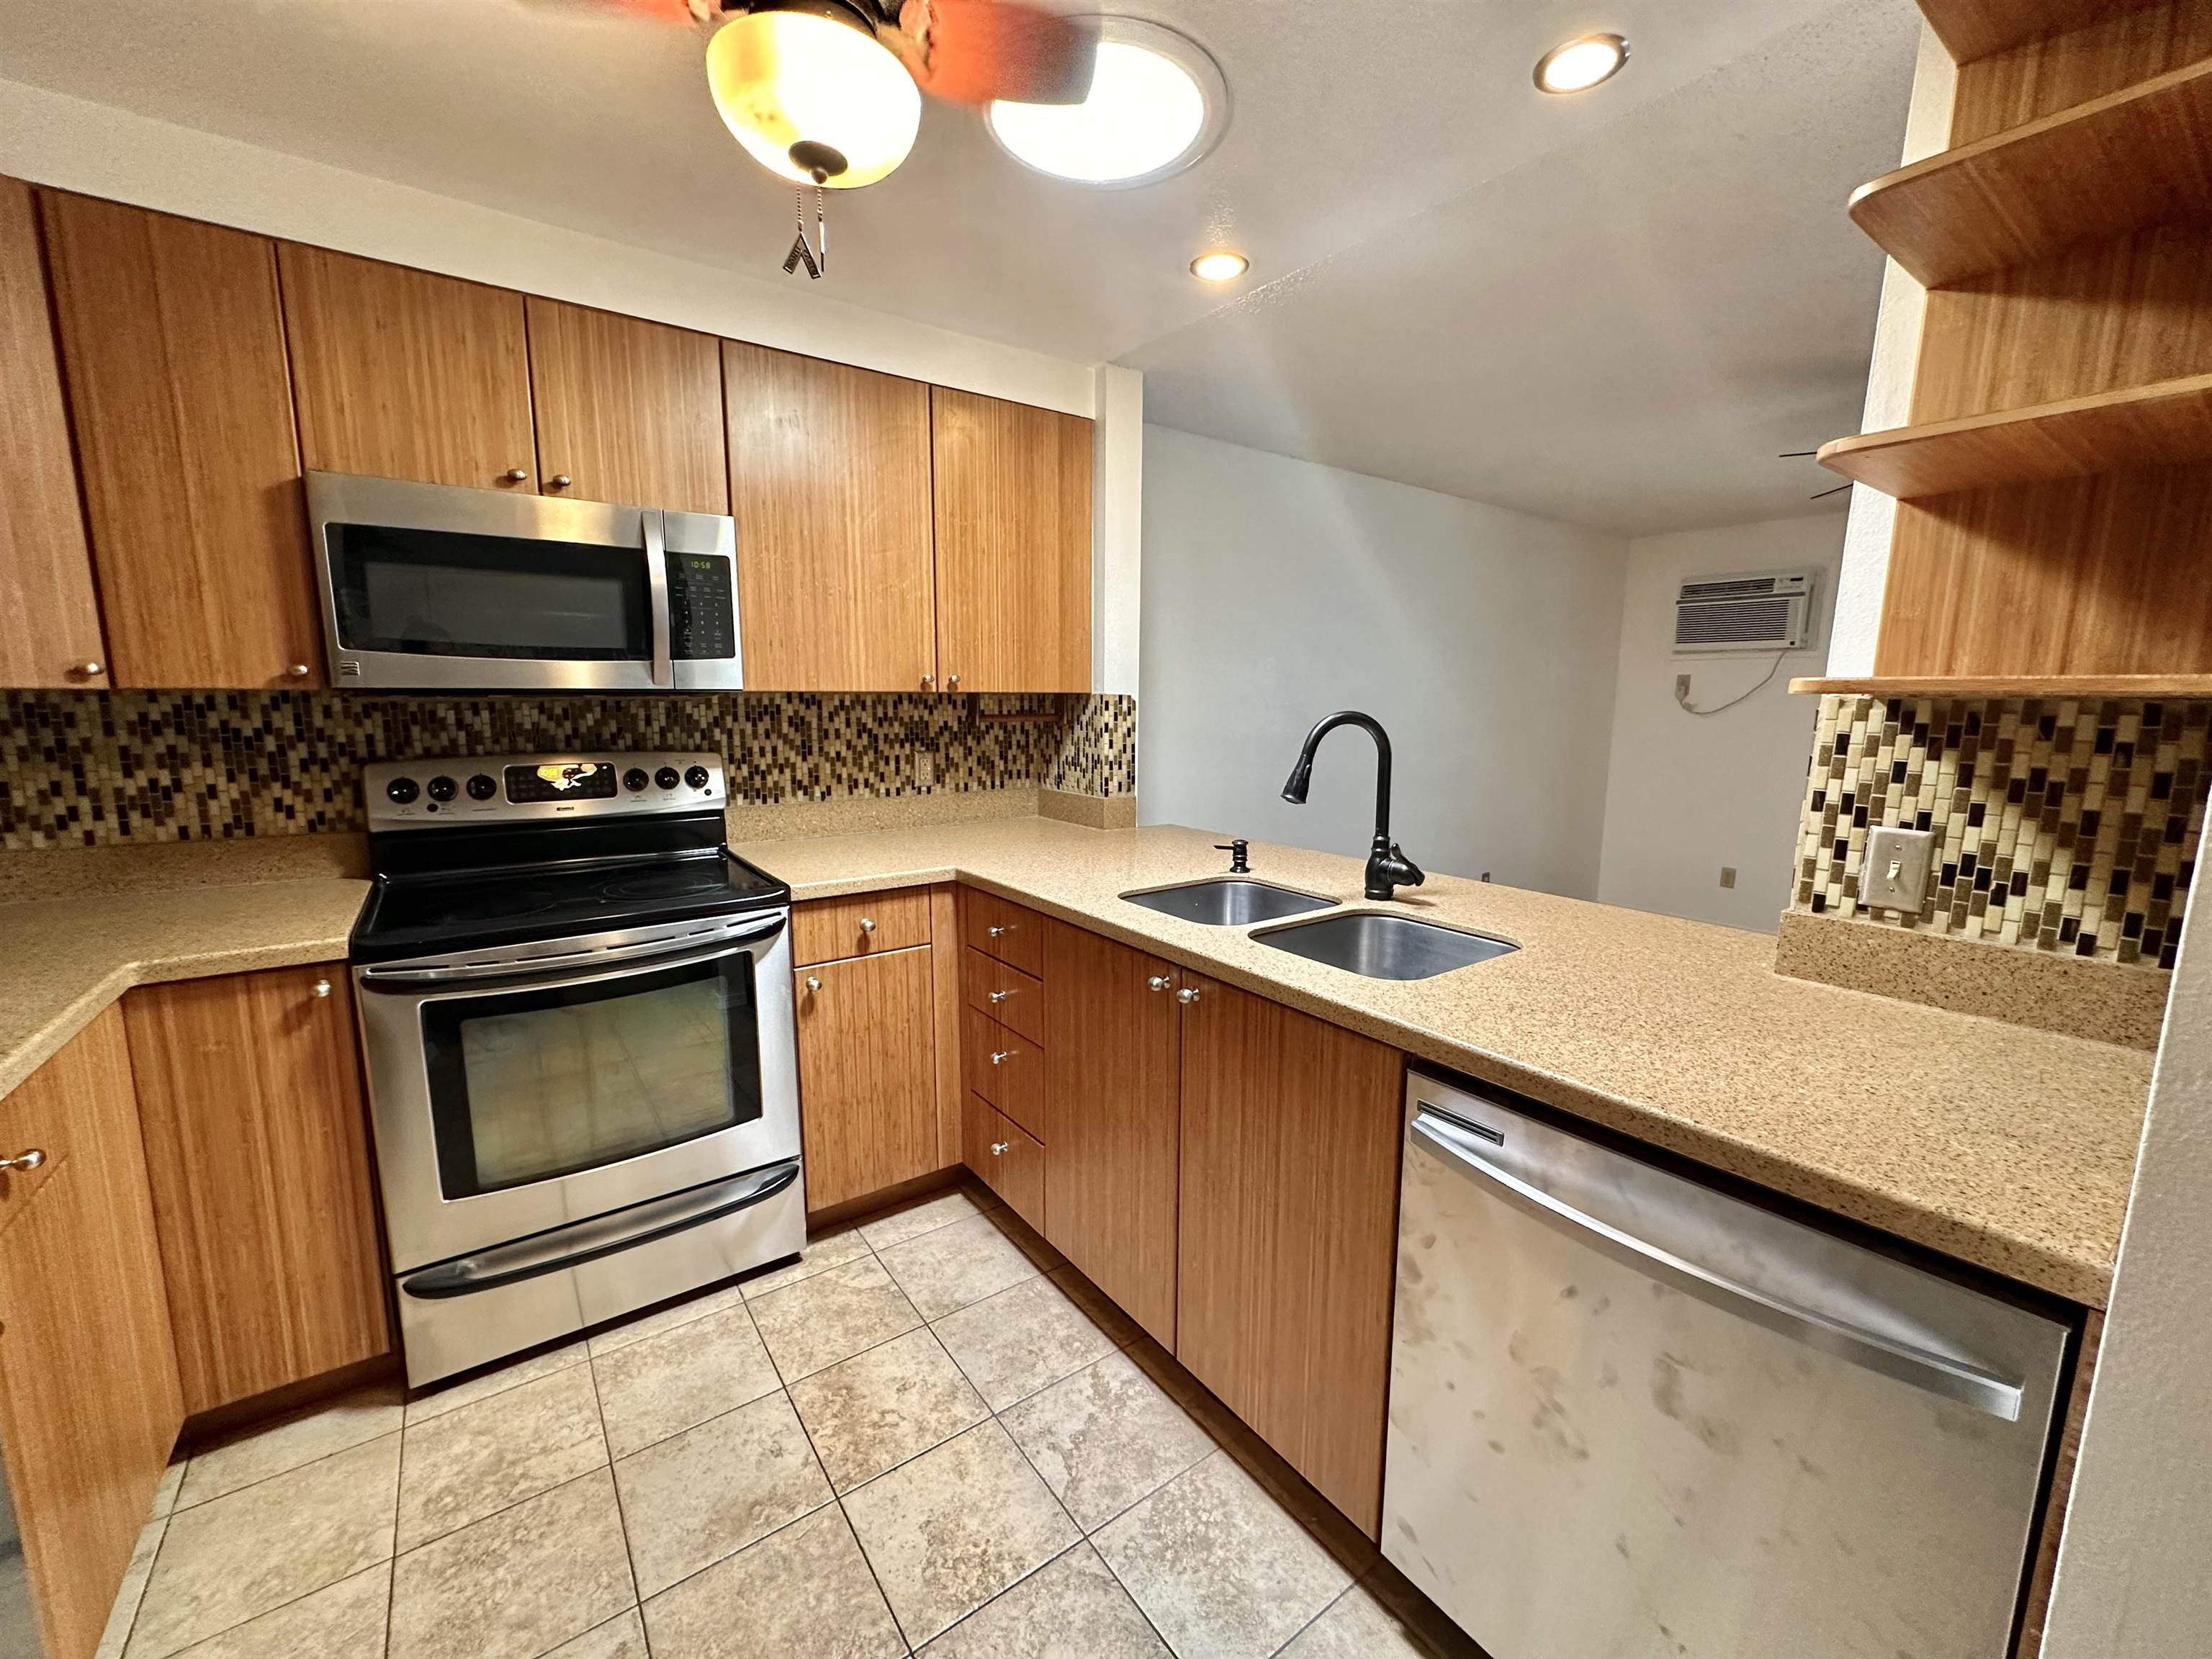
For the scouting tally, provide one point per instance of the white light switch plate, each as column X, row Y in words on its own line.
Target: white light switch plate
column 1896, row 874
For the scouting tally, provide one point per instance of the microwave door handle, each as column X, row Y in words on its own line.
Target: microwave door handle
column 656, row 582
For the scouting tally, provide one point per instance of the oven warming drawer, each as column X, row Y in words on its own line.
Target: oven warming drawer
column 1631, row 1414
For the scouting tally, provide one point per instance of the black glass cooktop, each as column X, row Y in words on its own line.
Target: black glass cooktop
column 426, row 915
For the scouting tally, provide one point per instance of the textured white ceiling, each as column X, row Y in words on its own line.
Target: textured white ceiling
column 1433, row 298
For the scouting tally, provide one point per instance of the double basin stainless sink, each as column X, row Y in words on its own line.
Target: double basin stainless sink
column 1375, row 943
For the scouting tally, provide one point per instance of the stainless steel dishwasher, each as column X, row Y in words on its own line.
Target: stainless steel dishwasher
column 1632, row 1415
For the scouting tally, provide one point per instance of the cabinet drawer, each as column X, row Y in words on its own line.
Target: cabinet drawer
column 1000, row 928
column 1005, row 1068
column 1008, row 995
column 864, row 925
column 1010, row 1162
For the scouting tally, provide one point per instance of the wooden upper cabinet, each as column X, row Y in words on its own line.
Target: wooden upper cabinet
column 1013, row 545
column 49, row 625
column 257, row 1138
column 830, row 486
column 1112, row 1043
column 172, row 340
column 405, row 373
column 628, row 411
column 867, row 1074
column 1289, row 1212
column 88, row 1402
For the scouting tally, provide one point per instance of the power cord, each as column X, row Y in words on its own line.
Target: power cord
column 1681, row 695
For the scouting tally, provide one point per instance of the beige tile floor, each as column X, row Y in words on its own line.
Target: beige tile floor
column 915, row 1440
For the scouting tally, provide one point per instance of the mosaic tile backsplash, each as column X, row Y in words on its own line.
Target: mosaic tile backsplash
column 2067, row 827
column 87, row 769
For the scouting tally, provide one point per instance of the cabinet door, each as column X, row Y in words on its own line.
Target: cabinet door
column 1290, row 1206
column 867, row 1075
column 49, row 626
column 1013, row 545
column 628, row 411
column 406, row 375
column 830, row 485
column 88, row 1404
column 1111, row 1048
column 173, row 342
column 249, row 1088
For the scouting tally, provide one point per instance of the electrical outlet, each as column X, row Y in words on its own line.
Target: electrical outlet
column 1728, row 875
column 1896, row 873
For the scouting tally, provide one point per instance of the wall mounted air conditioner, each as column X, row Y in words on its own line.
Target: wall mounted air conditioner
column 1746, row 610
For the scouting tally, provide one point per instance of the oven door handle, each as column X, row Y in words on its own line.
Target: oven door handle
column 656, row 582
column 577, row 970
column 603, row 1236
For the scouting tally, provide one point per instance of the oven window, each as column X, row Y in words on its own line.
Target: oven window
column 529, row 1085
column 440, row 594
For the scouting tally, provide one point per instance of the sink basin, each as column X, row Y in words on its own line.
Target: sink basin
column 1228, row 901
column 1384, row 946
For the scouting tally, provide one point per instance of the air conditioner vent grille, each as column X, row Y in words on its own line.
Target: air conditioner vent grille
column 1746, row 610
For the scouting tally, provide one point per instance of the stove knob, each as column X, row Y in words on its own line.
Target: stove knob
column 635, row 779
column 697, row 776
column 443, row 788
column 482, row 787
column 402, row 791
column 666, row 778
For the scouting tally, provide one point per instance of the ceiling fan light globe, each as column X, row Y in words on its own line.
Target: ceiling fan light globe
column 786, row 78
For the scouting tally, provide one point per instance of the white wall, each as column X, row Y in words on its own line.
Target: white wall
column 1275, row 591
column 2132, row 1579
column 51, row 138
column 1687, row 795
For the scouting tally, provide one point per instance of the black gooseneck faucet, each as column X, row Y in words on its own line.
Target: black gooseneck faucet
column 1388, row 866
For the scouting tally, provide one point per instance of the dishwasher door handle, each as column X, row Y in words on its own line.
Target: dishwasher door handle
column 1958, row 1379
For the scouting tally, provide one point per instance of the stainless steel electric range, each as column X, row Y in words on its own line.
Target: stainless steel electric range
column 576, row 1016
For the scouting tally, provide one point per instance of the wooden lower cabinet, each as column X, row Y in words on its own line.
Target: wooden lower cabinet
column 867, row 1074
column 89, row 1407
column 1289, row 1219
column 1112, row 1047
column 257, row 1144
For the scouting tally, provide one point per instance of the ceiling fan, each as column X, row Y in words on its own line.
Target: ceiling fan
column 827, row 92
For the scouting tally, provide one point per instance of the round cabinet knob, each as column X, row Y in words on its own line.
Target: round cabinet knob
column 1000, row 1056
column 813, row 984
column 559, row 481
column 402, row 791
column 1159, row 982
column 1000, row 1148
column 298, row 670
column 443, row 788
column 88, row 670
column 321, row 988
column 515, row 474
column 999, row 996
column 635, row 779
column 996, row 932
column 1186, row 996
column 483, row 786
column 29, row 1160
column 867, row 924
column 667, row 777
column 697, row 776
column 929, row 682
column 953, row 683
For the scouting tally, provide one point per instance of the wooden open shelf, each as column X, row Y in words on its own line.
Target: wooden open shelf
column 2167, row 424
column 1975, row 28
column 2112, row 165
column 2124, row 686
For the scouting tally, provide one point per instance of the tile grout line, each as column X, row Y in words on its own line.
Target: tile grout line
column 614, row 1485
column 391, row 1569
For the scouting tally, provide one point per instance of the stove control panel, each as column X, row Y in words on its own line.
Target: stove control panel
column 514, row 789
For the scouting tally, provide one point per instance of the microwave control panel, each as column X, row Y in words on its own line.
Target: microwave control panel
column 702, row 610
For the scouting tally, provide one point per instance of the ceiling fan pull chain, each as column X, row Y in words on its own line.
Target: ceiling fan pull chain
column 821, row 233
column 801, row 253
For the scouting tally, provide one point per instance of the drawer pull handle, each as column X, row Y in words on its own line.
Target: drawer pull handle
column 998, row 1148
column 813, row 984
column 867, row 924
column 999, row 996
column 322, row 987
column 996, row 932
column 1000, row 1056
column 29, row 1160
column 1186, row 996
column 1159, row 982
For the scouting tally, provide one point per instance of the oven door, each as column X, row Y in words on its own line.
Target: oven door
column 510, row 1100
column 431, row 587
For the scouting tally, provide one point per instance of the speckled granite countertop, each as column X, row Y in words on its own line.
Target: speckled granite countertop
column 63, row 960
column 2003, row 1146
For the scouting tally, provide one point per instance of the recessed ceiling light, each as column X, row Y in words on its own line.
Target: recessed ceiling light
column 1158, row 103
column 1581, row 64
column 1219, row 266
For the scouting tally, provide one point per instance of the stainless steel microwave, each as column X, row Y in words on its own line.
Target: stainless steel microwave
column 429, row 587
